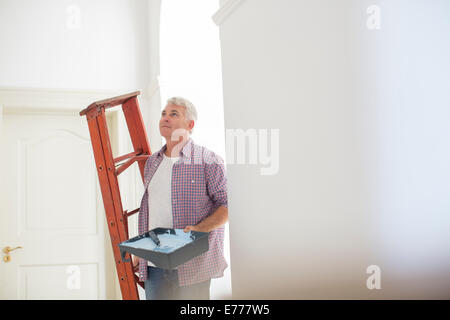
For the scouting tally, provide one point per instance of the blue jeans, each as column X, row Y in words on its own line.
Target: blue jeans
column 163, row 285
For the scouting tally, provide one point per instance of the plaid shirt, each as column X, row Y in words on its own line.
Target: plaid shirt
column 198, row 189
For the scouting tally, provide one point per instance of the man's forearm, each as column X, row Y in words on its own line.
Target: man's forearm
column 214, row 221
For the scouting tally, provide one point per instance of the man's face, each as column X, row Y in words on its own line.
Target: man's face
column 172, row 118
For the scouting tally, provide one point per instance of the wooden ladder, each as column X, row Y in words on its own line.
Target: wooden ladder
column 109, row 168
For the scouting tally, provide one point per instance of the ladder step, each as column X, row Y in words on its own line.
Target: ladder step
column 128, row 155
column 124, row 166
column 126, row 214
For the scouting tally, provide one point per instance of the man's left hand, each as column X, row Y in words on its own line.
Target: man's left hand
column 213, row 221
column 191, row 228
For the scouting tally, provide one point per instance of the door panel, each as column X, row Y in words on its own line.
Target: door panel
column 50, row 205
column 44, row 281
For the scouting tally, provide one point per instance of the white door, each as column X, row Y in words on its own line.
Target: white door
column 50, row 205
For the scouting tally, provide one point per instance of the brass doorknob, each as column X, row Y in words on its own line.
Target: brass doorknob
column 7, row 250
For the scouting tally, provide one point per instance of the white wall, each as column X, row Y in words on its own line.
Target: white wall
column 85, row 47
column 364, row 161
column 44, row 44
column 151, row 96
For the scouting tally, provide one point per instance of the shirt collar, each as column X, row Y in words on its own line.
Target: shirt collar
column 186, row 151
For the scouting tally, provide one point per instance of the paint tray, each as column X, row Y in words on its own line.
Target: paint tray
column 175, row 247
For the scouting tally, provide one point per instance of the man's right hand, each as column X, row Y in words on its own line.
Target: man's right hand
column 135, row 262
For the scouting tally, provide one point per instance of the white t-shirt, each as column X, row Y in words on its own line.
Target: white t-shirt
column 160, row 196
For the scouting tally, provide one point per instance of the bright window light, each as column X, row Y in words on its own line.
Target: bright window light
column 190, row 67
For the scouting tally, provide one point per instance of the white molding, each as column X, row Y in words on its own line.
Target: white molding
column 30, row 100
column 225, row 10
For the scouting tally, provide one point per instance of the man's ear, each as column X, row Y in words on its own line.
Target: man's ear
column 191, row 124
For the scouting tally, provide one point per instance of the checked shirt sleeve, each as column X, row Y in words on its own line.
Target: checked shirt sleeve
column 216, row 181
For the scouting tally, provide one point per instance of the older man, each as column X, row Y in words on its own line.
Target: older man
column 185, row 188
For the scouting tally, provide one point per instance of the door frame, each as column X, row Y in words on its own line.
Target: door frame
column 44, row 101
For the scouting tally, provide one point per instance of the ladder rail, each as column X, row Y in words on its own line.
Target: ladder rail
column 136, row 128
column 117, row 218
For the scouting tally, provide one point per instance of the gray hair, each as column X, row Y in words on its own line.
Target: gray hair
column 191, row 112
